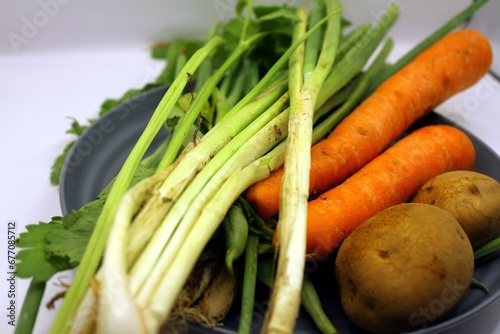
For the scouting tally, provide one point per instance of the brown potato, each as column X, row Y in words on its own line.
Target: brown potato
column 404, row 268
column 472, row 198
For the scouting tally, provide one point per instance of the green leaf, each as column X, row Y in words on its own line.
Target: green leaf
column 32, row 260
column 56, row 169
column 70, row 242
column 190, row 46
column 231, row 32
column 177, row 47
column 261, row 11
column 109, row 104
column 47, row 248
column 76, row 128
column 240, row 7
column 288, row 13
column 141, row 172
column 160, row 50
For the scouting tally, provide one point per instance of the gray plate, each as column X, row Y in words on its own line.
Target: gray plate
column 98, row 155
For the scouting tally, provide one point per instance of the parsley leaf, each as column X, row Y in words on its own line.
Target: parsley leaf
column 48, row 248
column 56, row 169
column 76, row 127
column 71, row 241
column 32, row 259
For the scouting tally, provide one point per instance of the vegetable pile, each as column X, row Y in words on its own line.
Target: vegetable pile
column 295, row 141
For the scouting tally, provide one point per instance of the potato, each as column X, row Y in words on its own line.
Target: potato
column 472, row 198
column 404, row 268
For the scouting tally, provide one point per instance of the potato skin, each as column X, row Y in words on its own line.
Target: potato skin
column 404, row 268
column 472, row 198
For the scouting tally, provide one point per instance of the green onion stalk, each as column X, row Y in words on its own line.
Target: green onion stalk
column 92, row 257
column 304, row 87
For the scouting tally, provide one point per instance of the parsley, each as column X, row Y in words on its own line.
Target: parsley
column 33, row 260
column 47, row 248
column 70, row 242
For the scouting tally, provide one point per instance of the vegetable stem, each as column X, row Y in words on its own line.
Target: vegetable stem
column 195, row 107
column 313, row 43
column 285, row 298
column 207, row 223
column 312, row 304
column 276, row 68
column 29, row 311
column 357, row 56
column 122, row 314
column 246, row 22
column 488, row 248
column 477, row 283
column 249, row 282
column 158, row 254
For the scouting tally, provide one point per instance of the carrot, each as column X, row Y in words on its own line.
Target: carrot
column 449, row 66
column 391, row 178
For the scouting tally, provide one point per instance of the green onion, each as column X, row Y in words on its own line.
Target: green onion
column 304, row 89
column 95, row 249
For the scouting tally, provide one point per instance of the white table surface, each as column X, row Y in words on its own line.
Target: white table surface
column 87, row 52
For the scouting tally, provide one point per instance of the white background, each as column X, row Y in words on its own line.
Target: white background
column 61, row 59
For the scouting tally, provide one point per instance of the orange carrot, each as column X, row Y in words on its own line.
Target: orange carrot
column 391, row 178
column 451, row 65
